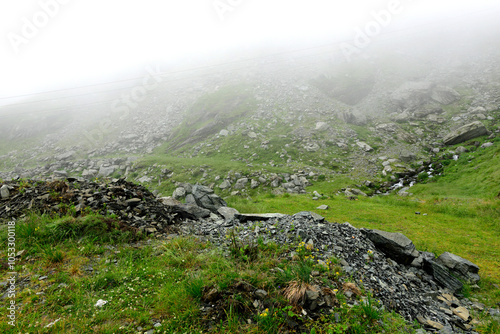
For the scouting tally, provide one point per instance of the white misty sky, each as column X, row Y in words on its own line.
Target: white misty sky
column 86, row 41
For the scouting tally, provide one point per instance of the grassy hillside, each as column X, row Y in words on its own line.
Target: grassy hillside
column 211, row 113
column 476, row 174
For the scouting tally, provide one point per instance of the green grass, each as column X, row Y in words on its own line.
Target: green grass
column 474, row 175
column 212, row 112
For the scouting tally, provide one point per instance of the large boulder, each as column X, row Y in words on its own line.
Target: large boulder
column 205, row 197
column 189, row 211
column 395, row 245
column 227, row 212
column 226, row 184
column 106, row 171
column 444, row 95
column 459, row 266
column 364, row 146
column 241, row 183
column 413, row 95
column 466, row 132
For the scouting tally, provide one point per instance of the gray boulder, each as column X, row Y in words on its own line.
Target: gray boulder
column 466, row 132
column 65, row 156
column 416, row 94
column 364, row 146
column 412, row 94
column 226, row 184
column 459, row 266
column 227, row 212
column 89, row 173
column 106, row 171
column 182, row 210
column 144, row 179
column 310, row 216
column 241, row 183
column 205, row 197
column 444, row 95
column 179, row 192
column 395, row 245
column 4, row 192
column 190, row 199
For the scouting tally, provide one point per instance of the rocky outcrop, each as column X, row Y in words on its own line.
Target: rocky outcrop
column 466, row 132
column 415, row 94
column 459, row 266
column 394, row 245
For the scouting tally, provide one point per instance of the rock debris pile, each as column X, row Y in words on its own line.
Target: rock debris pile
column 414, row 284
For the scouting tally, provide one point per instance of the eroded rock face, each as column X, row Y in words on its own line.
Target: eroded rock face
column 466, row 132
column 394, row 245
column 459, row 266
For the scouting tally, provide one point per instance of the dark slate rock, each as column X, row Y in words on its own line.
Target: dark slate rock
column 443, row 276
column 309, row 215
column 395, row 245
column 243, row 217
column 459, row 266
column 185, row 210
column 205, row 197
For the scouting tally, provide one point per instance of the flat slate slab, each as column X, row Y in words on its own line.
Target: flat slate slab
column 242, row 217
